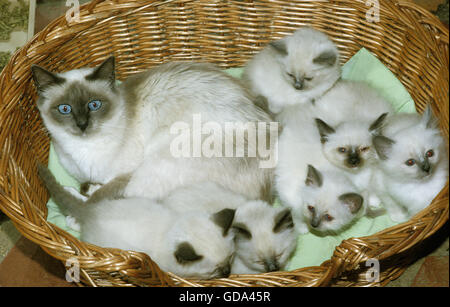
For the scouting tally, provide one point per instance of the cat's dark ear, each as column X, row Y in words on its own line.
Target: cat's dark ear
column 382, row 146
column 44, row 78
column 428, row 119
column 353, row 201
column 280, row 47
column 105, row 71
column 314, row 177
column 224, row 219
column 376, row 126
column 283, row 221
column 326, row 58
column 324, row 130
column 185, row 253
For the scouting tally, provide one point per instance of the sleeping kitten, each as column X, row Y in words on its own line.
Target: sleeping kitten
column 413, row 165
column 330, row 202
column 294, row 70
column 101, row 130
column 265, row 238
column 269, row 237
column 193, row 244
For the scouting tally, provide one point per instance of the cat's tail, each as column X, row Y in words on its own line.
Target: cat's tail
column 66, row 201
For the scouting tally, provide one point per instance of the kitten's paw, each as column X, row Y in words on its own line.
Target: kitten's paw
column 398, row 217
column 302, row 228
column 374, row 202
column 72, row 223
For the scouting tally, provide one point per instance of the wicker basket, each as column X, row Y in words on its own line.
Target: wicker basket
column 141, row 34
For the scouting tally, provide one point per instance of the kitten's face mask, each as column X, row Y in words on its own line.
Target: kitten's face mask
column 265, row 237
column 349, row 145
column 304, row 72
column 80, row 107
column 324, row 211
column 205, row 254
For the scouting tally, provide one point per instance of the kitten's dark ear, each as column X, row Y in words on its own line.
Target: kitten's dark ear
column 105, row 71
column 428, row 119
column 280, row 47
column 326, row 58
column 283, row 221
column 242, row 231
column 324, row 130
column 314, row 177
column 382, row 146
column 224, row 219
column 376, row 126
column 185, row 253
column 353, row 201
column 44, row 78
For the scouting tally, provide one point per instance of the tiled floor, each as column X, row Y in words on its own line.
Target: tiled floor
column 27, row 265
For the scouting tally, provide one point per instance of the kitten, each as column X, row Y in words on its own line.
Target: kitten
column 335, row 132
column 269, row 238
column 330, row 203
column 413, row 165
column 101, row 130
column 265, row 238
column 194, row 244
column 348, row 146
column 296, row 69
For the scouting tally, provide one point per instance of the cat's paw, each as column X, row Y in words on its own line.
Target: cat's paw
column 302, row 228
column 398, row 217
column 72, row 223
column 374, row 202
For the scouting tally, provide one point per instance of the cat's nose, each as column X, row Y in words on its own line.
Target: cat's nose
column 354, row 160
column 82, row 125
column 271, row 265
column 299, row 84
column 426, row 167
column 315, row 223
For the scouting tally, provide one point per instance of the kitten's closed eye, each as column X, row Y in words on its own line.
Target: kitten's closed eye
column 342, row 149
column 364, row 149
column 291, row 76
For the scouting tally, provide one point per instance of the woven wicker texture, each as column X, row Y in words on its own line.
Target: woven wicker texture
column 141, row 34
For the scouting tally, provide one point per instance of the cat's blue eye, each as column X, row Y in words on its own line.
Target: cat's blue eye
column 94, row 105
column 64, row 108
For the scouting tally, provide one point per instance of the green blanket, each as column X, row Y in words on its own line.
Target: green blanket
column 312, row 250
